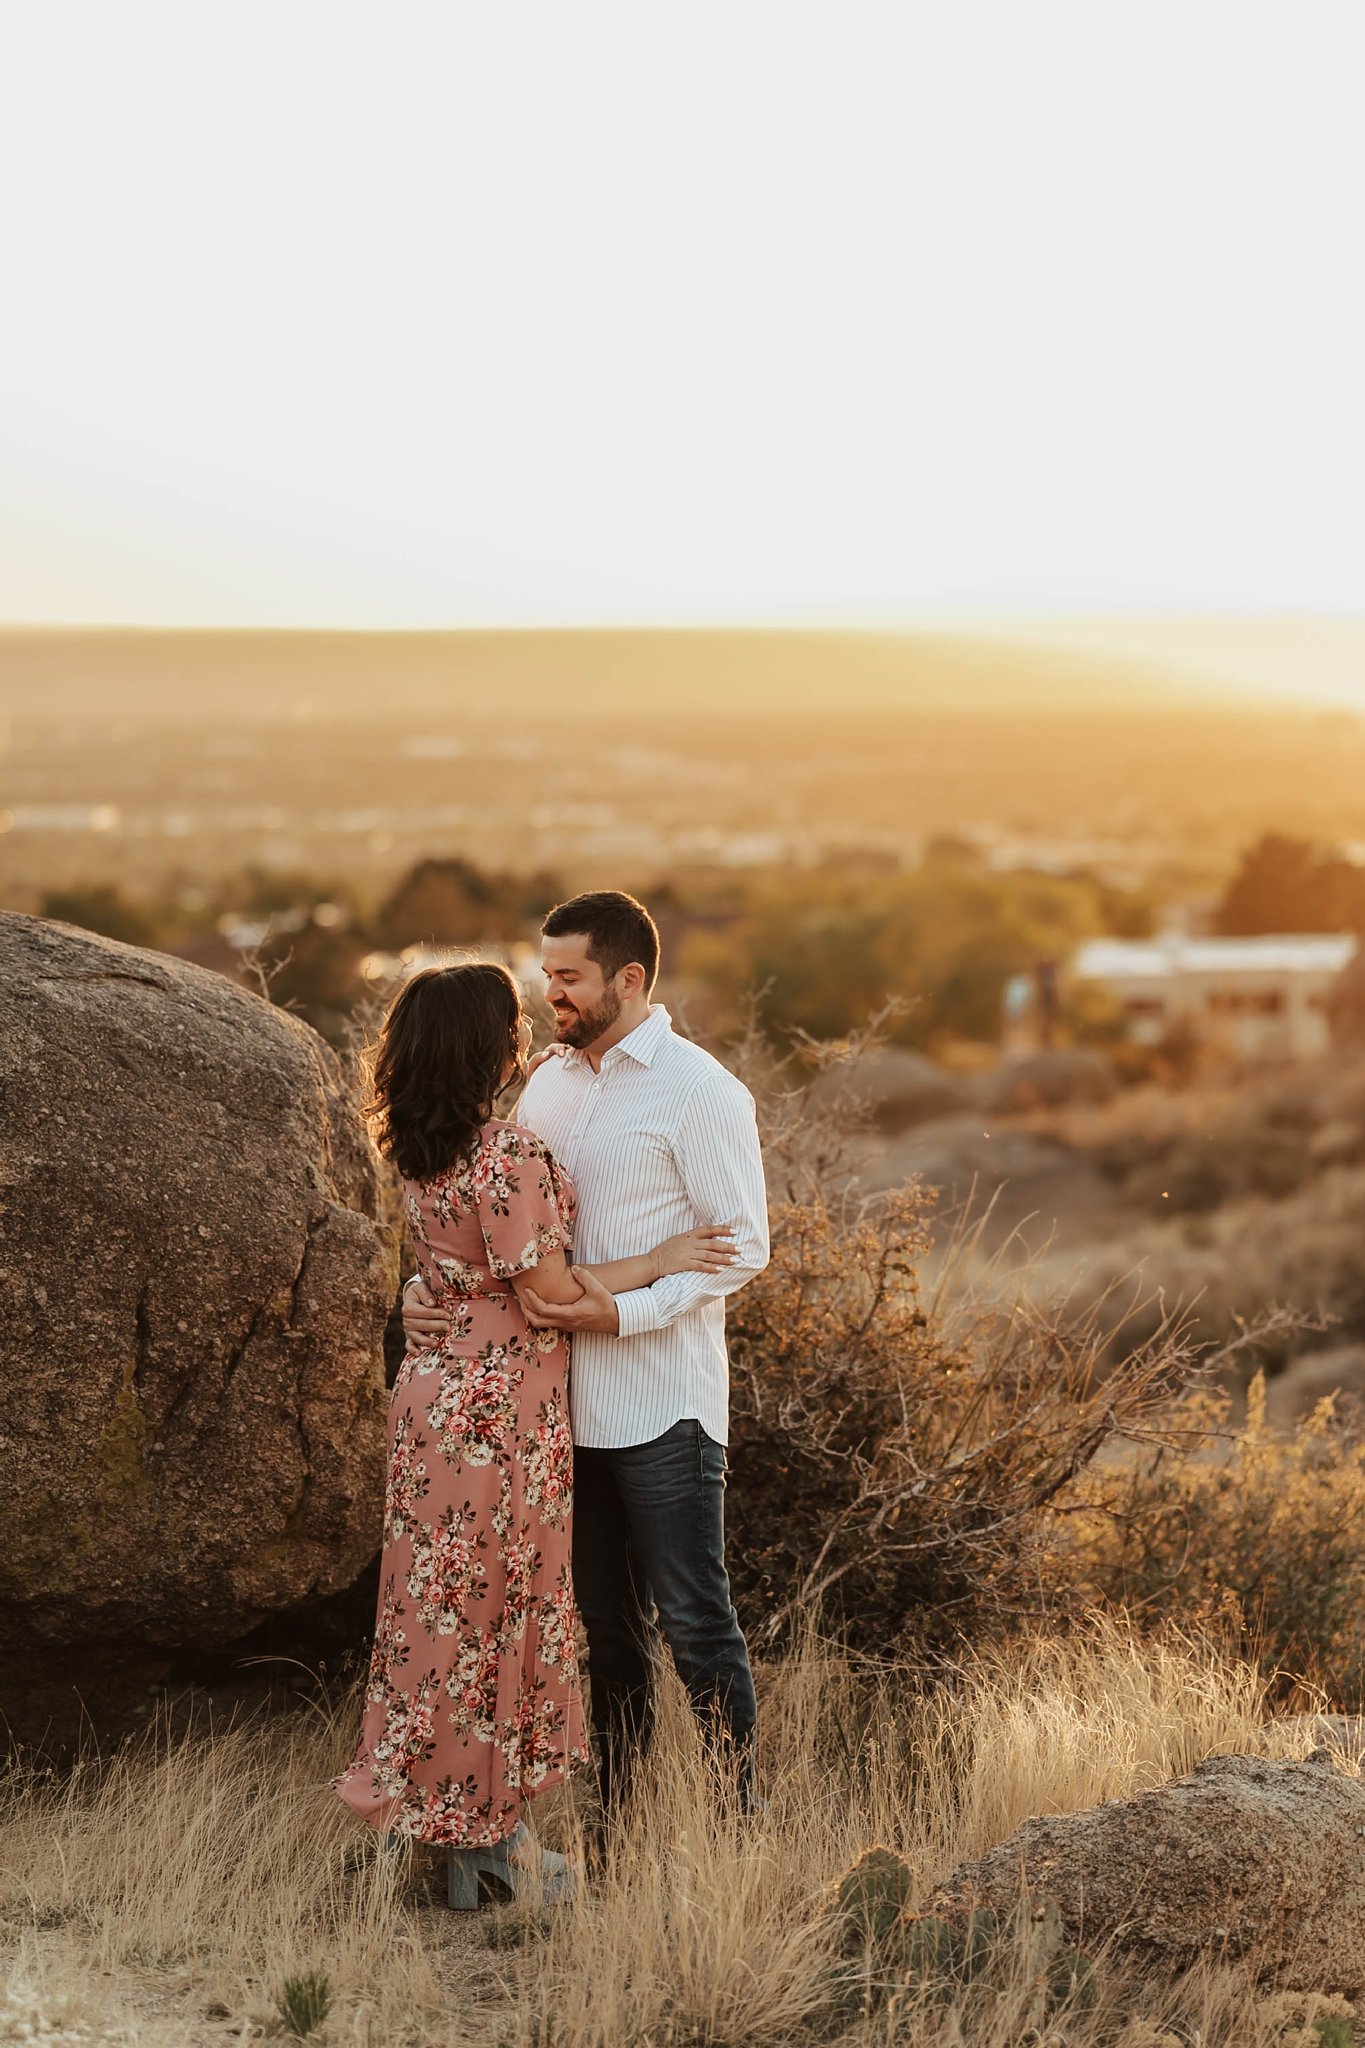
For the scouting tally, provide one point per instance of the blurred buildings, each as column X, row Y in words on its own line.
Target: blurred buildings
column 1256, row 998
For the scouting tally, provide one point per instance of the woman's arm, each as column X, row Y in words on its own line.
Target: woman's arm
column 618, row 1276
column 706, row 1248
column 552, row 1279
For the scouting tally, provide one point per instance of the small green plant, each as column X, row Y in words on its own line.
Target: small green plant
column 980, row 1939
column 866, row 1912
column 870, row 1898
column 1072, row 1981
column 512, row 1928
column 931, row 1955
column 1309, row 2020
column 304, row 2002
column 1334, row 2032
column 1024, row 1959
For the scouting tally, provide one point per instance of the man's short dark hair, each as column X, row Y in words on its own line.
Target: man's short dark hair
column 619, row 931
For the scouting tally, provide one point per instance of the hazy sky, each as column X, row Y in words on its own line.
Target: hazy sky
column 508, row 314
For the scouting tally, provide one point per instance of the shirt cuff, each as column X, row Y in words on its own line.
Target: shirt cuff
column 636, row 1311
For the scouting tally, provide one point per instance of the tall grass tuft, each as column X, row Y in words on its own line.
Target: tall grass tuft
column 216, row 1853
column 304, row 2002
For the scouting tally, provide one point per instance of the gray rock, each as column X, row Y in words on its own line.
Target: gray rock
column 198, row 1249
column 1295, row 1392
column 1047, row 1080
column 902, row 1088
column 1243, row 1859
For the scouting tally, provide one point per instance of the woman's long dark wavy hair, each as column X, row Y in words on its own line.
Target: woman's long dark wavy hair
column 438, row 1065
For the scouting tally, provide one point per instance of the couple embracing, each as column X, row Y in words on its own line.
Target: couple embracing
column 557, row 1428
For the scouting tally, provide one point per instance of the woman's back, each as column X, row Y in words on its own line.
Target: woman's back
column 491, row 1215
column 472, row 1703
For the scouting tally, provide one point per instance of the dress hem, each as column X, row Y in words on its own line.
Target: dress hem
column 376, row 1817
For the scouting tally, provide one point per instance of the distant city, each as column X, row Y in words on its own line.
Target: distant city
column 155, row 805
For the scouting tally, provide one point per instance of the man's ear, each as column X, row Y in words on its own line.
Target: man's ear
column 632, row 979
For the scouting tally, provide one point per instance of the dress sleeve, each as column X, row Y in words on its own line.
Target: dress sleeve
column 518, row 1209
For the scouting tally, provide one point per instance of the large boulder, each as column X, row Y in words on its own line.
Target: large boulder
column 198, row 1250
column 1243, row 1859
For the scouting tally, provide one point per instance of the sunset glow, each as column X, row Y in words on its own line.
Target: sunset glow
column 606, row 315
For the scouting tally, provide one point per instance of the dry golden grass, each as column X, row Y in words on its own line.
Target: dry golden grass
column 165, row 1895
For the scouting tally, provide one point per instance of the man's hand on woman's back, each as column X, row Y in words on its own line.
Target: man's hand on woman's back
column 424, row 1324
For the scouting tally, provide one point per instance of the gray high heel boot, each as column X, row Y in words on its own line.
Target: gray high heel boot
column 552, row 1878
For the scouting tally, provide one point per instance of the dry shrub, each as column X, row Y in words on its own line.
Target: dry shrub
column 923, row 1468
column 896, row 1453
column 1212, row 1156
column 1255, row 1533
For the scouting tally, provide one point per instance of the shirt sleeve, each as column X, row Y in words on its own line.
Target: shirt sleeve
column 518, row 1210
column 718, row 1156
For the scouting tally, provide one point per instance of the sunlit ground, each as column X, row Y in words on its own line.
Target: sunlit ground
column 171, row 1894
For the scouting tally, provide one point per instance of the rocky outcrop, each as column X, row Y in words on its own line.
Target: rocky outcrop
column 1243, row 1859
column 198, row 1249
column 900, row 1088
column 1294, row 1393
column 1048, row 1080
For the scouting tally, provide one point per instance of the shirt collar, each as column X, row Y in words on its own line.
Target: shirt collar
column 644, row 1041
column 641, row 1045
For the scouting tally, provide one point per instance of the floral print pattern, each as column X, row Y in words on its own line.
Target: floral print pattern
column 390, row 1651
column 474, row 1415
column 472, row 1701
column 407, row 1484
column 548, row 1453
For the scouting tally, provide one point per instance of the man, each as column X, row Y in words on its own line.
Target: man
column 658, row 1137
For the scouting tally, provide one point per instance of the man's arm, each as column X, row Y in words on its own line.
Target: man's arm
column 718, row 1156
column 423, row 1322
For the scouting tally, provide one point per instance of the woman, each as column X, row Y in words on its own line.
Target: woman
column 472, row 1705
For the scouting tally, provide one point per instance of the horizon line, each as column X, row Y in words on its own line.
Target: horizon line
column 956, row 623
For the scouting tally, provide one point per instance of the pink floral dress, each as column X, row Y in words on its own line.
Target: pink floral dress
column 472, row 1704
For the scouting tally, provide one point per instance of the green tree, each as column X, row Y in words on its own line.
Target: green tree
column 451, row 902
column 440, row 902
column 315, row 970
column 827, row 947
column 1288, row 885
column 104, row 909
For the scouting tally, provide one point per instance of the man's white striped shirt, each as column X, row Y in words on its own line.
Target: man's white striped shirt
column 661, row 1138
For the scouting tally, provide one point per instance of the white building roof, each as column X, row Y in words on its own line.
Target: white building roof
column 1271, row 953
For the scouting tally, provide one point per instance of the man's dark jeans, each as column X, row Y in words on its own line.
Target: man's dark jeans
column 649, row 1527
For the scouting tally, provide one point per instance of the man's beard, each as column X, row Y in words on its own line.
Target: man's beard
column 589, row 1024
